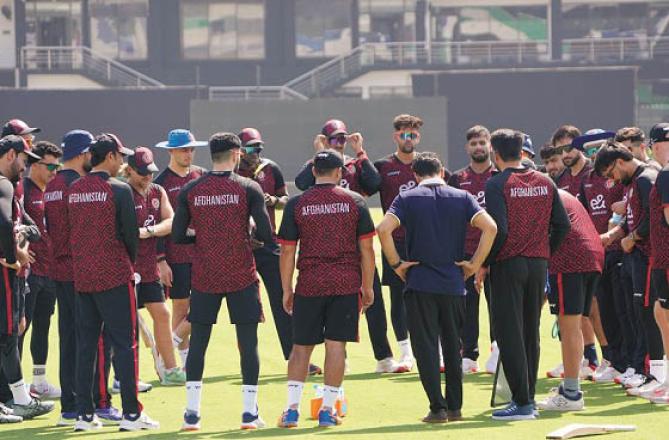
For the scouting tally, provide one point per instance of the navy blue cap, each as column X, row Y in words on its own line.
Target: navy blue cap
column 659, row 133
column 76, row 142
column 328, row 159
column 591, row 139
column 528, row 147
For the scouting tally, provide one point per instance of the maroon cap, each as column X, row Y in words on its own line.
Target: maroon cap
column 142, row 161
column 250, row 136
column 333, row 127
column 18, row 144
column 18, row 127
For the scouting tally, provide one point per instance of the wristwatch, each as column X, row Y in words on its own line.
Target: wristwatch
column 396, row 265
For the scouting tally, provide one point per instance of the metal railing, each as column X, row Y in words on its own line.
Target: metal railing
column 245, row 93
column 58, row 59
column 470, row 53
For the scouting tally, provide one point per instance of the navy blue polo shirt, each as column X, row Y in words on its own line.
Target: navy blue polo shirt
column 435, row 217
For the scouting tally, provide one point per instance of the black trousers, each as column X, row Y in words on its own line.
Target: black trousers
column 116, row 310
column 10, row 305
column 40, row 305
column 430, row 317
column 267, row 265
column 612, row 310
column 470, row 331
column 517, row 294
column 377, row 323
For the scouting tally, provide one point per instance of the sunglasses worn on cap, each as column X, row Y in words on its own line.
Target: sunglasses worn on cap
column 408, row 136
column 50, row 166
column 340, row 139
column 253, row 149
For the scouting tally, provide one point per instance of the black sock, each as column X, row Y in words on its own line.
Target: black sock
column 590, row 353
column 606, row 353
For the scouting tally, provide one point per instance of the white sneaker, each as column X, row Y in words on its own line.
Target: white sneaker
column 142, row 422
column 556, row 373
column 587, row 371
column 620, row 379
column 90, row 423
column 390, row 365
column 645, row 391
column 407, row 362
column 602, row 367
column 142, row 387
column 469, row 366
column 660, row 395
column 558, row 402
column 45, row 391
column 634, row 381
column 606, row 376
column 491, row 363
column 250, row 421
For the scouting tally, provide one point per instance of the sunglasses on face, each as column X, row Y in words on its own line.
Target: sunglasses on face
column 408, row 136
column 566, row 148
column 337, row 140
column 50, row 166
column 253, row 149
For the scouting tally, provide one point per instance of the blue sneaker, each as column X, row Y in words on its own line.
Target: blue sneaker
column 67, row 419
column 515, row 412
column 109, row 416
column 327, row 419
column 289, row 419
column 191, row 421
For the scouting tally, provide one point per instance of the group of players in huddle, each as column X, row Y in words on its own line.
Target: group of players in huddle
column 101, row 238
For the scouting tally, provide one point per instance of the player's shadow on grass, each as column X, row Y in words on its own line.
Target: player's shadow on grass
column 24, row 431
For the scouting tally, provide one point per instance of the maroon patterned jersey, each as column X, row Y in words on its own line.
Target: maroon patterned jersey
column 219, row 206
column 172, row 182
column 103, row 234
column 598, row 194
column 33, row 201
column 521, row 201
column 58, row 225
column 467, row 179
column 147, row 209
column 659, row 230
column 396, row 177
column 638, row 206
column 572, row 184
column 327, row 221
column 581, row 251
column 269, row 177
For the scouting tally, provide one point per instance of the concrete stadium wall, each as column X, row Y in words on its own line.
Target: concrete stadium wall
column 289, row 127
column 535, row 101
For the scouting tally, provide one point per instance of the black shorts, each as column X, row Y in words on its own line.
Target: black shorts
column 244, row 306
column 316, row 318
column 180, row 281
column 660, row 281
column 389, row 277
column 571, row 293
column 151, row 292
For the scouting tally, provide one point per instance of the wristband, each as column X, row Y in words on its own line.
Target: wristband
column 396, row 265
column 361, row 153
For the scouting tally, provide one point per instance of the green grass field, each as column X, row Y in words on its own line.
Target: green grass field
column 387, row 406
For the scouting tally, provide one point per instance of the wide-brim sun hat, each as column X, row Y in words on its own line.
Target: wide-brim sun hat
column 180, row 138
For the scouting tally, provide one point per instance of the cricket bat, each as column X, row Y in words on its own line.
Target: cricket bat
column 501, row 393
column 582, row 430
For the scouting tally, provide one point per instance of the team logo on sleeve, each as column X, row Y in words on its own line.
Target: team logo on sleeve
column 610, row 183
column 155, row 203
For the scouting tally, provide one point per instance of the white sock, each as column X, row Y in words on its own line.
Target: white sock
column 250, row 399
column 330, row 395
column 193, row 396
column 441, row 353
column 183, row 354
column 405, row 348
column 176, row 340
column 666, row 370
column 39, row 375
column 20, row 393
column 294, row 394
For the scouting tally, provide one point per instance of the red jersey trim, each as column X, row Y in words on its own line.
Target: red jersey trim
column 366, row 236
column 288, row 242
column 8, row 298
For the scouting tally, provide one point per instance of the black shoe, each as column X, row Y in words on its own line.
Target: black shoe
column 436, row 417
column 454, row 416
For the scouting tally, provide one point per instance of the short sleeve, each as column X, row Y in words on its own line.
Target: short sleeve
column 279, row 181
column 288, row 232
column 472, row 207
column 397, row 209
column 365, row 228
column 663, row 187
